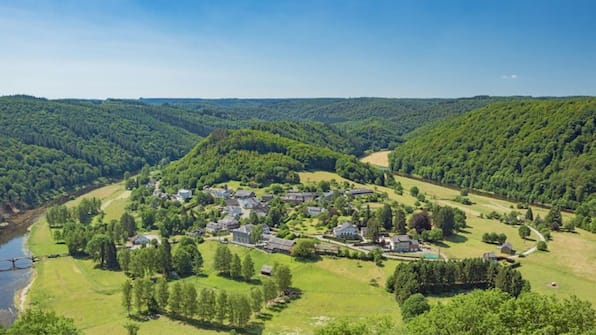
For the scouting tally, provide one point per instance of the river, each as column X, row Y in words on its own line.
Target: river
column 12, row 245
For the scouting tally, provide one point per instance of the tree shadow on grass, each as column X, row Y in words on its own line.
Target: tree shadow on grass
column 255, row 281
column 457, row 238
column 312, row 259
column 290, row 295
column 265, row 316
column 441, row 244
column 253, row 328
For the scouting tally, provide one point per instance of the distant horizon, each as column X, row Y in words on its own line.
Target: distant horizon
column 300, row 98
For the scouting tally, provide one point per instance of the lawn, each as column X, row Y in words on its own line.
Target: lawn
column 41, row 242
column 570, row 262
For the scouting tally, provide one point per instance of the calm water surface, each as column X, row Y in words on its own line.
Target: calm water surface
column 11, row 281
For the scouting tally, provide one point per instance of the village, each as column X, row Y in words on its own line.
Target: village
column 237, row 207
column 244, row 220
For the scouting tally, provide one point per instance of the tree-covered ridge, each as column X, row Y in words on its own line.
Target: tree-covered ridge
column 55, row 146
column 533, row 150
column 376, row 123
column 33, row 174
column 259, row 157
column 317, row 133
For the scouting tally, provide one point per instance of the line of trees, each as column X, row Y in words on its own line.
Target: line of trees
column 146, row 261
column 183, row 300
column 83, row 213
column 494, row 238
column 439, row 277
column 230, row 265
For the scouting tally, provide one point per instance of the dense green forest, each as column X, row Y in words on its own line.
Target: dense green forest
column 51, row 147
column 375, row 123
column 259, row 157
column 317, row 133
column 533, row 150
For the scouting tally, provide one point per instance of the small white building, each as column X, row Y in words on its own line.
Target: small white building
column 345, row 230
column 314, row 211
column 184, row 194
column 403, row 243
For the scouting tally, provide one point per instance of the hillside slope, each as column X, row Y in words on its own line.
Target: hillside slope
column 49, row 147
column 317, row 133
column 534, row 150
column 259, row 157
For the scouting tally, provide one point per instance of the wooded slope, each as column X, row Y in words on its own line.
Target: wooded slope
column 259, row 157
column 49, row 147
column 534, row 150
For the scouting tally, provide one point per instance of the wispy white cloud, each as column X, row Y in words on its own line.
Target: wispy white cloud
column 509, row 76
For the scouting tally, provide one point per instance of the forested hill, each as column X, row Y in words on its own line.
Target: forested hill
column 535, row 150
column 376, row 123
column 259, row 157
column 317, row 133
column 49, row 147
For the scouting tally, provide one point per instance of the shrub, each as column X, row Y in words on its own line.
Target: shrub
column 542, row 246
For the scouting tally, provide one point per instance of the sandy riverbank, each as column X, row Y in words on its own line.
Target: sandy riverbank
column 21, row 295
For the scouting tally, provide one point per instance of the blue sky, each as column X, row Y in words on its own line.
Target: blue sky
column 260, row 48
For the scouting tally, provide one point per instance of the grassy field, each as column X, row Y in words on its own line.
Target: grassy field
column 331, row 287
column 380, row 158
column 570, row 262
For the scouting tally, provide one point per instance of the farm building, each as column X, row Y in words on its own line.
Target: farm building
column 506, row 248
column 275, row 244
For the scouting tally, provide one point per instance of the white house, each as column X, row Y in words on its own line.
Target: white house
column 345, row 230
column 184, row 194
column 314, row 211
column 224, row 193
column 403, row 243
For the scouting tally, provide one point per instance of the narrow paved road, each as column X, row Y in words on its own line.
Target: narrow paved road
column 534, row 248
column 386, row 255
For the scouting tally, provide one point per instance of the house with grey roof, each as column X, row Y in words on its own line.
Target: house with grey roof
column 233, row 210
column 346, row 230
column 183, row 194
column 314, row 211
column 243, row 194
column 506, row 248
column 359, row 191
column 403, row 243
column 489, row 257
column 243, row 233
column 229, row 222
column 222, row 193
column 276, row 244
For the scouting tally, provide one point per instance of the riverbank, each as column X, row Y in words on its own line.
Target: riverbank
column 20, row 297
column 20, row 223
